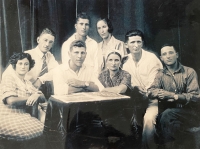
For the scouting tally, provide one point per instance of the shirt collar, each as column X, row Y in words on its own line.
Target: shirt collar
column 66, row 66
column 179, row 69
column 88, row 39
column 38, row 51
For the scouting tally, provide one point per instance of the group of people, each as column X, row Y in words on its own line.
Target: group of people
column 166, row 94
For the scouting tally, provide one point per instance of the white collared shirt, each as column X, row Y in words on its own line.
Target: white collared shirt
column 91, row 49
column 144, row 72
column 33, row 74
column 63, row 73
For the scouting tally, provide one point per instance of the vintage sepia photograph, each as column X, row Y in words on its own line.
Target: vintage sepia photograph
column 99, row 74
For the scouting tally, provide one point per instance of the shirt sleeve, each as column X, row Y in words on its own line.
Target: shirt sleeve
column 153, row 68
column 64, row 52
column 60, row 85
column 126, row 80
column 155, row 86
column 8, row 87
column 192, row 91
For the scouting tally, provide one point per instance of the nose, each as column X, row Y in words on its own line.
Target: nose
column 23, row 66
column 79, row 55
column 136, row 44
column 84, row 26
column 47, row 43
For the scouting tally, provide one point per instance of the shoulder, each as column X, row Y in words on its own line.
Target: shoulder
column 188, row 70
column 91, row 41
column 150, row 54
column 69, row 40
column 125, row 73
column 117, row 41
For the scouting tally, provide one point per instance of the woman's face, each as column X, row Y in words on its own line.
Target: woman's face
column 22, row 66
column 113, row 62
column 102, row 28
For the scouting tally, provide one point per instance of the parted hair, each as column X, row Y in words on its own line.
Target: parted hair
column 109, row 23
column 134, row 33
column 19, row 56
column 77, row 43
column 82, row 15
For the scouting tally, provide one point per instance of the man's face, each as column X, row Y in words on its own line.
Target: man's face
column 77, row 55
column 134, row 44
column 82, row 27
column 168, row 55
column 45, row 42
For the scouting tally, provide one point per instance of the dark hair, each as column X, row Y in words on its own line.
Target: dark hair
column 48, row 31
column 134, row 33
column 77, row 43
column 82, row 15
column 19, row 56
column 109, row 23
column 114, row 52
column 168, row 45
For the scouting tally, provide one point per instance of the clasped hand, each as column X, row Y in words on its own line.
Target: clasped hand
column 164, row 95
column 74, row 83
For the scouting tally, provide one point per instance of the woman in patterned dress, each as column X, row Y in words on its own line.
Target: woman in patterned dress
column 105, row 29
column 17, row 95
column 114, row 79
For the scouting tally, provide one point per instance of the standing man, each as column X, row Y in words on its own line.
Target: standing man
column 44, row 61
column 177, row 90
column 143, row 67
column 73, row 76
column 82, row 28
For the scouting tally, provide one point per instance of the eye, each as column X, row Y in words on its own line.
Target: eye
column 171, row 52
column 26, row 64
column 110, row 60
column 82, row 53
column 76, row 52
column 163, row 54
column 116, row 60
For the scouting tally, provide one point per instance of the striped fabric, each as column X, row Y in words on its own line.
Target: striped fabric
column 44, row 67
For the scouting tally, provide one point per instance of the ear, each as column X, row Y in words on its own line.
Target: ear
column 75, row 25
column 161, row 58
column 177, row 55
column 126, row 45
column 38, row 39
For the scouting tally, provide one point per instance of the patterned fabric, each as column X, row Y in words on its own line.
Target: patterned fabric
column 15, row 123
column 44, row 66
column 20, row 127
column 183, row 81
column 121, row 77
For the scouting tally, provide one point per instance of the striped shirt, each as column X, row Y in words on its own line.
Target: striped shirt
column 182, row 81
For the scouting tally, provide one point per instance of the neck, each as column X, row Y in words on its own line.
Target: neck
column 74, row 67
column 172, row 68
column 21, row 77
column 112, row 73
column 106, row 40
column 137, row 56
column 79, row 37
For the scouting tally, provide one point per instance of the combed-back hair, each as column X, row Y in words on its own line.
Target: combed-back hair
column 77, row 43
column 134, row 33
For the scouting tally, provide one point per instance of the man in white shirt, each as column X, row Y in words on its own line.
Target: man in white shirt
column 143, row 67
column 74, row 76
column 82, row 28
column 39, row 74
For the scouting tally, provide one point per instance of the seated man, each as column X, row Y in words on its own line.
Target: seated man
column 143, row 67
column 74, row 76
column 44, row 61
column 177, row 90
